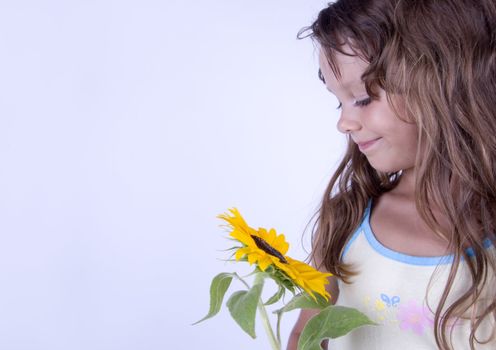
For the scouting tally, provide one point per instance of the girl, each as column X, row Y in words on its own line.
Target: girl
column 408, row 220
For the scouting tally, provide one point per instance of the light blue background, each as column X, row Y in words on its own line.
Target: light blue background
column 125, row 128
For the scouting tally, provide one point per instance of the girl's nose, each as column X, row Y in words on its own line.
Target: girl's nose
column 347, row 124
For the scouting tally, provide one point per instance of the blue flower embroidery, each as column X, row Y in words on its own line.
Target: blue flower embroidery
column 393, row 301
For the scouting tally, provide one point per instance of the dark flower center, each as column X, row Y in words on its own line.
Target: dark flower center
column 266, row 247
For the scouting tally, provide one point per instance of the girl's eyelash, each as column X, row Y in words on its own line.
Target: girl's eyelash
column 364, row 102
column 361, row 103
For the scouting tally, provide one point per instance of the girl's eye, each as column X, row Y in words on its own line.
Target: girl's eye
column 364, row 102
column 361, row 103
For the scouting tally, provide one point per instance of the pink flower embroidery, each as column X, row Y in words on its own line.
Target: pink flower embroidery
column 415, row 317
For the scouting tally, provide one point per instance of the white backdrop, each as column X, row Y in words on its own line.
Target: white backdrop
column 125, row 128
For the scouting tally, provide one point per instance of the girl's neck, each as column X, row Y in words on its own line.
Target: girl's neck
column 406, row 191
column 406, row 186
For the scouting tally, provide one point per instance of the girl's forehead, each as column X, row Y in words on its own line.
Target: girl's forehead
column 350, row 69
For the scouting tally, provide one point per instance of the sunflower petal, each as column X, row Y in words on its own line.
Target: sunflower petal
column 241, row 252
column 264, row 263
column 252, row 258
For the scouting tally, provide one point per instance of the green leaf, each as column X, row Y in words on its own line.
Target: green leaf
column 218, row 289
column 276, row 297
column 304, row 301
column 332, row 322
column 243, row 306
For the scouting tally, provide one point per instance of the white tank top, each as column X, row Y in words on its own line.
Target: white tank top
column 390, row 289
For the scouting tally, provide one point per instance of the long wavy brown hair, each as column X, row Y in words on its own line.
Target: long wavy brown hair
column 440, row 56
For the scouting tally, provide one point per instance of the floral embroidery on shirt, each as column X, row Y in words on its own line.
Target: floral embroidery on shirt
column 390, row 301
column 379, row 305
column 407, row 315
column 382, row 310
column 415, row 317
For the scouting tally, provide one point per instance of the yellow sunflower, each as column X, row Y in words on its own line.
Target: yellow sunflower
column 267, row 248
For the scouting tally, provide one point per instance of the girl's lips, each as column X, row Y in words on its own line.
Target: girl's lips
column 366, row 145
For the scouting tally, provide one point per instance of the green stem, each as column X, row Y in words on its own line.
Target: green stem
column 278, row 328
column 268, row 328
column 241, row 280
column 274, row 342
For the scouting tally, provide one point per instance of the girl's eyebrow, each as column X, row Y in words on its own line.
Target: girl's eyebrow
column 321, row 76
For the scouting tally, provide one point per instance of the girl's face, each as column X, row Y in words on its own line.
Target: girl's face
column 389, row 143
